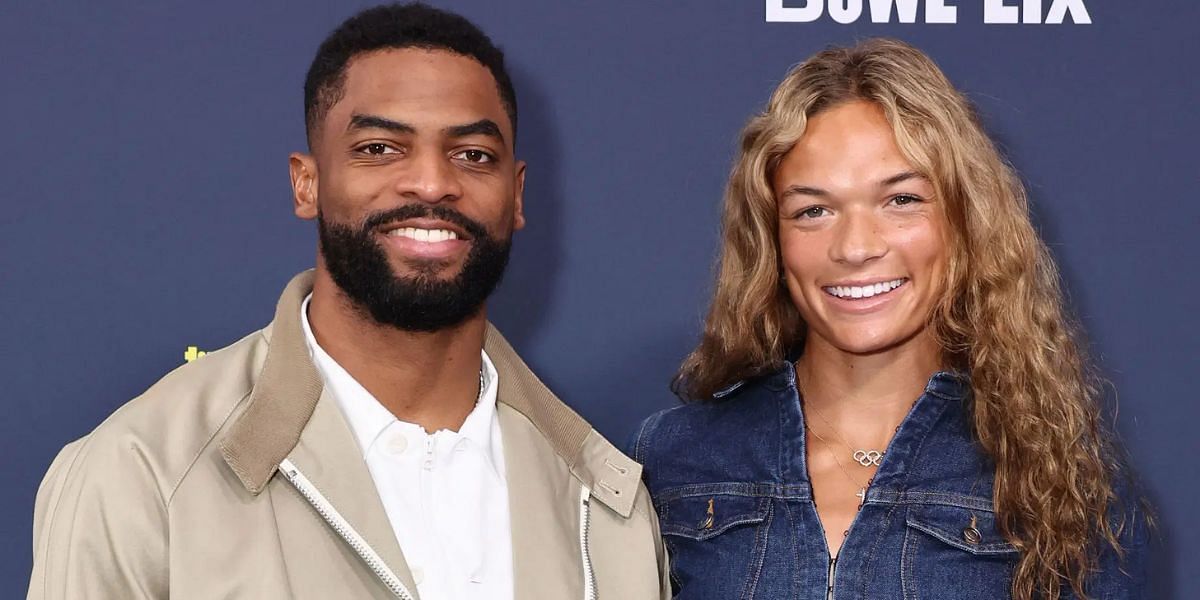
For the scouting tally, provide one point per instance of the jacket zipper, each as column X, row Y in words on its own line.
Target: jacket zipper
column 344, row 529
column 832, row 566
column 589, row 576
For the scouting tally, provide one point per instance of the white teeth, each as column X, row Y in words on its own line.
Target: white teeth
column 424, row 235
column 866, row 291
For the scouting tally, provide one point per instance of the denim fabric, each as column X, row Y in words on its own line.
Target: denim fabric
column 744, row 453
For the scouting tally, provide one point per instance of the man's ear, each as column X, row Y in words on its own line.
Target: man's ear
column 303, row 169
column 519, row 197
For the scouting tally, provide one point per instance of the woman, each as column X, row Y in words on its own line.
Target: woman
column 888, row 400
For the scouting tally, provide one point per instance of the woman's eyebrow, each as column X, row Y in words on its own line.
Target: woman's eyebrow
column 803, row 190
column 901, row 177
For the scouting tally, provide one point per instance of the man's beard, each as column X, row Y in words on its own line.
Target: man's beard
column 360, row 267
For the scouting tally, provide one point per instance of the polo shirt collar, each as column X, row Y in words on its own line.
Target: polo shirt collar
column 368, row 418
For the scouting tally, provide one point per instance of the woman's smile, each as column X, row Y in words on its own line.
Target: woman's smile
column 864, row 298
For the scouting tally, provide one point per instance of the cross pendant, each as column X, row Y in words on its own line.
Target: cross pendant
column 862, row 496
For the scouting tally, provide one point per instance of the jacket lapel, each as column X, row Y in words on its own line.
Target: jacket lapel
column 329, row 456
column 288, row 415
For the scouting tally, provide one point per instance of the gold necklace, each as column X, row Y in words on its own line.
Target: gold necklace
column 862, row 488
column 866, row 458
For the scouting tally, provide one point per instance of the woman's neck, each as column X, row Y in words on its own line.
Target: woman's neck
column 864, row 397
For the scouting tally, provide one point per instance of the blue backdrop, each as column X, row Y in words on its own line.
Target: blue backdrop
column 146, row 205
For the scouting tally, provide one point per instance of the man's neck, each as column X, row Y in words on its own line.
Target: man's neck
column 427, row 378
column 864, row 397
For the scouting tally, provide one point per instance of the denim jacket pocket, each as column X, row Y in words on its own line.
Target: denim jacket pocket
column 966, row 529
column 716, row 542
column 703, row 516
column 956, row 545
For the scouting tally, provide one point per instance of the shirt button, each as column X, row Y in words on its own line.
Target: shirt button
column 398, row 444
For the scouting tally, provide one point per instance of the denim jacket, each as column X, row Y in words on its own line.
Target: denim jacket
column 730, row 485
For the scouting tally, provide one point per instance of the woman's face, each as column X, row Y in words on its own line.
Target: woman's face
column 861, row 235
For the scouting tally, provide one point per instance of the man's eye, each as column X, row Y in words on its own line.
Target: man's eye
column 377, row 148
column 475, row 156
column 811, row 212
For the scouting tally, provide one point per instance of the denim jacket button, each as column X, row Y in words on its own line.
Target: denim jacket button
column 972, row 536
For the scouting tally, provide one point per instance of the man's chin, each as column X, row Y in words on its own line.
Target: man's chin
column 415, row 269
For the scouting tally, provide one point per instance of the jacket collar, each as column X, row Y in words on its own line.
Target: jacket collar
column 612, row 476
column 287, row 390
column 951, row 385
column 283, row 397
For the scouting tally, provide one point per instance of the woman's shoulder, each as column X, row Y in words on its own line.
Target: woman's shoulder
column 738, row 408
column 712, row 439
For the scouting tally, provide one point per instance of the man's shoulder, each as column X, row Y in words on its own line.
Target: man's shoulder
column 162, row 431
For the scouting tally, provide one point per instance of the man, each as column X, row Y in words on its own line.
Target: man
column 379, row 439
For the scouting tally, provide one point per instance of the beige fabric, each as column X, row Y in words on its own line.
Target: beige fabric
column 176, row 494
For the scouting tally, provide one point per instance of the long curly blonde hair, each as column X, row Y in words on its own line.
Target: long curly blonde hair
column 1035, row 402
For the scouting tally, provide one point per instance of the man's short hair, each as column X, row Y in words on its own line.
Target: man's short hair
column 395, row 26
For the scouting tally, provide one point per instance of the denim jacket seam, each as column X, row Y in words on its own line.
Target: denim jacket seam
column 639, row 441
column 890, row 514
column 943, row 395
column 734, row 488
column 788, row 447
column 795, row 548
column 922, row 498
column 881, row 535
column 907, row 555
column 777, row 468
column 761, row 543
column 920, row 446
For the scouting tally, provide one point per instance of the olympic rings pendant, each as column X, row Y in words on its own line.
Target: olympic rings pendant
column 868, row 458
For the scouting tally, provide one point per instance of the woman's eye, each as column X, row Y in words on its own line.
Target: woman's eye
column 811, row 212
column 905, row 199
column 475, row 156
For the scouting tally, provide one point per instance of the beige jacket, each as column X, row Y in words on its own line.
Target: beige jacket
column 236, row 476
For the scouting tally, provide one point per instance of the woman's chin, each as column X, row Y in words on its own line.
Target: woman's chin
column 869, row 341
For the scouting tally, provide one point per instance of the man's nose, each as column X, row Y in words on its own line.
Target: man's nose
column 430, row 177
column 857, row 239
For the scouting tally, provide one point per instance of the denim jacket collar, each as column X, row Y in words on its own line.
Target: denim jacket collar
column 950, row 385
column 944, row 388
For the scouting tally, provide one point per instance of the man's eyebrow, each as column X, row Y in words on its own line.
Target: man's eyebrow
column 375, row 122
column 485, row 127
column 900, row 178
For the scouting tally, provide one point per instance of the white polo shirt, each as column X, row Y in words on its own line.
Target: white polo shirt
column 445, row 493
